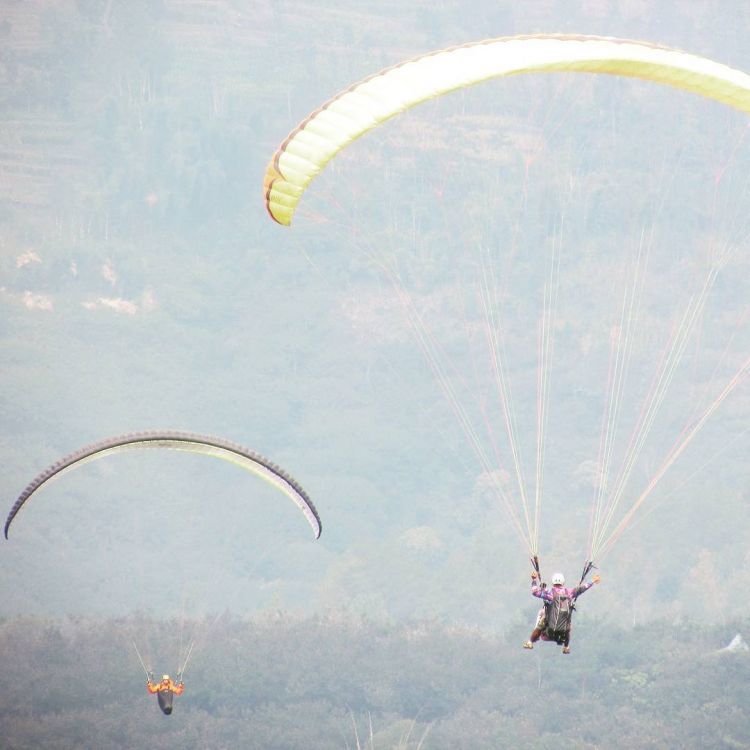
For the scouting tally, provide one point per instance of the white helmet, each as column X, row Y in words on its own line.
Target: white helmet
column 165, row 677
column 558, row 579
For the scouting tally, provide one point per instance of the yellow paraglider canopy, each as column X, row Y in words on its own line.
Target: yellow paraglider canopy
column 365, row 105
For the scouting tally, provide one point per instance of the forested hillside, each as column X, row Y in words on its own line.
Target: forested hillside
column 283, row 682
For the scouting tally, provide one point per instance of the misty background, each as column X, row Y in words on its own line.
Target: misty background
column 143, row 286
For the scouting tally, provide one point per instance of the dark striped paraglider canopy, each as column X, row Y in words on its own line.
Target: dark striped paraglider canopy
column 182, row 441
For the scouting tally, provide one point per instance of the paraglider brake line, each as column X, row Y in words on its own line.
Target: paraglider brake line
column 587, row 568
column 535, row 563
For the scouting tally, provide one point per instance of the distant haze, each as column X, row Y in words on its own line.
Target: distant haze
column 143, row 286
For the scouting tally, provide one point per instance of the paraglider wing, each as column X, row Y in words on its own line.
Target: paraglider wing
column 367, row 104
column 185, row 441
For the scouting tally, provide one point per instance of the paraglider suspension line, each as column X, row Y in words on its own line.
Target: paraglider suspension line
column 138, row 654
column 181, row 671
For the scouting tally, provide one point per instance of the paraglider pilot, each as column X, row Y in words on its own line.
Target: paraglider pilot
column 165, row 691
column 554, row 619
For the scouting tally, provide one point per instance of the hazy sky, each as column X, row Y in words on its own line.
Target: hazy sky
column 143, row 286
